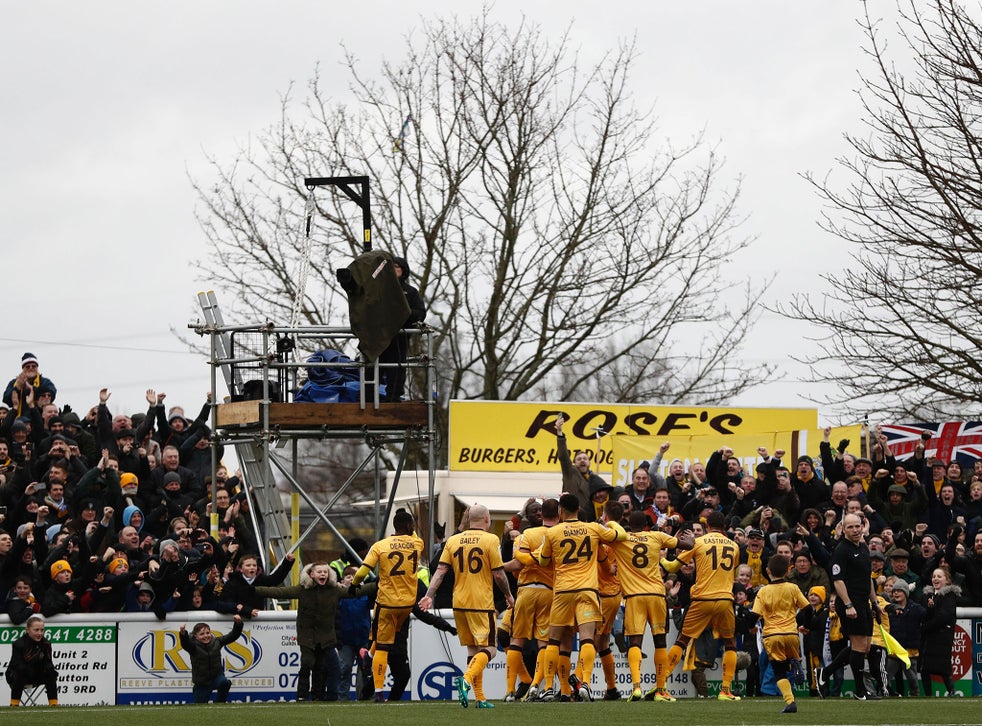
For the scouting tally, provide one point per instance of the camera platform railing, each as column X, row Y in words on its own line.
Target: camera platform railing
column 261, row 369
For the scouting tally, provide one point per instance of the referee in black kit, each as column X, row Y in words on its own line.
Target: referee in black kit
column 856, row 605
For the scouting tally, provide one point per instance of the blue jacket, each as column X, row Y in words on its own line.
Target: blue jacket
column 354, row 621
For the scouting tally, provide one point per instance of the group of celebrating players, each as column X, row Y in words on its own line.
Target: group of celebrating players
column 572, row 577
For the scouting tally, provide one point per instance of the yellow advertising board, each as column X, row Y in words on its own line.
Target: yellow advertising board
column 627, row 452
column 520, row 437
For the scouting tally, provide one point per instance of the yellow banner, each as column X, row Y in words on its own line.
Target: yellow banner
column 517, row 436
column 629, row 451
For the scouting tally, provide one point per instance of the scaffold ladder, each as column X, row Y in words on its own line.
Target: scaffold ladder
column 265, row 499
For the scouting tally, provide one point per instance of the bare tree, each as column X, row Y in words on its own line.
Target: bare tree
column 563, row 250
column 901, row 323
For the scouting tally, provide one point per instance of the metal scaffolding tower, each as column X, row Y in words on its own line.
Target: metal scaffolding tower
column 259, row 419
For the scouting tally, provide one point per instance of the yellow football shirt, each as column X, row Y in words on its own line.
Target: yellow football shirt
column 397, row 558
column 573, row 548
column 639, row 562
column 716, row 557
column 473, row 556
column 527, row 544
column 778, row 605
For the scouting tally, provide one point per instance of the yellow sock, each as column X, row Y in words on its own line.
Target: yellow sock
column 52, row 701
column 564, row 669
column 379, row 665
column 550, row 664
column 14, row 702
column 607, row 663
column 540, row 666
column 729, row 669
column 634, row 662
column 588, row 657
column 477, row 665
column 675, row 655
column 479, row 686
column 515, row 669
column 784, row 686
column 661, row 668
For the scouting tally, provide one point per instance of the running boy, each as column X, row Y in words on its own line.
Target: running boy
column 778, row 604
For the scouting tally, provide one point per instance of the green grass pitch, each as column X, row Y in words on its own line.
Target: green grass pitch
column 688, row 712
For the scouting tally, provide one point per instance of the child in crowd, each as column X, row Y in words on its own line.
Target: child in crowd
column 31, row 663
column 836, row 642
column 354, row 627
column 317, row 598
column 239, row 591
column 207, row 668
column 21, row 603
column 746, row 632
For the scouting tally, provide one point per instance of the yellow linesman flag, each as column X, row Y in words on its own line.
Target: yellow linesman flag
column 894, row 647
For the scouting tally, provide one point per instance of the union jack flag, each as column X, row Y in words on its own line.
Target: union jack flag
column 958, row 440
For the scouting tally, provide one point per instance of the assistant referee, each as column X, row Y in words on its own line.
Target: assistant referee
column 856, row 605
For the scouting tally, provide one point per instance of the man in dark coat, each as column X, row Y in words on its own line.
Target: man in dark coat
column 29, row 376
column 398, row 350
column 375, row 307
column 578, row 478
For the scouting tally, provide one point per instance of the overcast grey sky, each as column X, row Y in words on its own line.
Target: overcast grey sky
column 109, row 106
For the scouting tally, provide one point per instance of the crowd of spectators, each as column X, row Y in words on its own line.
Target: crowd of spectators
column 918, row 514
column 103, row 513
column 921, row 519
column 921, row 522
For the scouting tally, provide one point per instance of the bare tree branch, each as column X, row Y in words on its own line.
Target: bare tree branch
column 564, row 250
column 902, row 321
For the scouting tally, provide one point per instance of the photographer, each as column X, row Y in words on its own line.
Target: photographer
column 17, row 432
column 766, row 519
column 706, row 500
column 660, row 514
column 61, row 450
column 781, row 495
column 232, row 516
column 6, row 463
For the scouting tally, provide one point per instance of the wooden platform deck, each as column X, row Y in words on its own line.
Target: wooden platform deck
column 285, row 416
